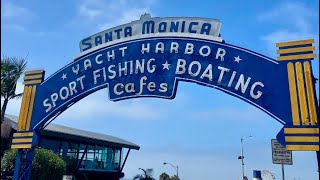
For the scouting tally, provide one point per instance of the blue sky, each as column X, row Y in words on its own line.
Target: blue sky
column 200, row 129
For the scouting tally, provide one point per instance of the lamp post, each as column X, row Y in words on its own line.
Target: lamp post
column 176, row 167
column 242, row 157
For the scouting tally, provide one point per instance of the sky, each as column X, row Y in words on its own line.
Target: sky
column 200, row 129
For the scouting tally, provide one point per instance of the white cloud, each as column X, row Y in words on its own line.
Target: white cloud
column 89, row 12
column 292, row 13
column 284, row 35
column 15, row 17
column 290, row 20
column 14, row 27
column 106, row 14
column 232, row 113
column 98, row 104
column 12, row 11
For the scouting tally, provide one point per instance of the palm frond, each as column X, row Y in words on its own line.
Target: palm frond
column 138, row 177
column 17, row 96
column 11, row 70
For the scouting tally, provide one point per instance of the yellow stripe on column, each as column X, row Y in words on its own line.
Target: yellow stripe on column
column 21, row 108
column 293, row 94
column 27, row 107
column 294, row 50
column 310, row 93
column 302, row 147
column 34, row 72
column 297, row 57
column 20, row 146
column 294, row 43
column 23, row 134
column 32, row 77
column 302, row 95
column 301, row 139
column 32, row 82
column 301, row 130
column 24, row 107
column 30, row 107
column 24, row 140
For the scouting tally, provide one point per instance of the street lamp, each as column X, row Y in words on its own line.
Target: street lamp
column 242, row 157
column 176, row 167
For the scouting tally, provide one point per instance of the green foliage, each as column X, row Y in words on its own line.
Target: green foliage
column 147, row 175
column 165, row 176
column 72, row 164
column 8, row 160
column 45, row 165
column 11, row 70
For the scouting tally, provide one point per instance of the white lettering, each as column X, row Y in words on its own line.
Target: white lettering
column 243, row 84
column 115, row 89
column 122, row 49
column 151, row 70
column 190, row 68
column 96, row 75
column 64, row 88
column 222, row 72
column 189, row 48
column 181, row 64
column 160, row 47
column 145, row 48
column 109, row 56
column 174, row 47
column 205, row 54
column 259, row 93
column 220, row 53
column 207, row 73
column 87, row 64
column 97, row 59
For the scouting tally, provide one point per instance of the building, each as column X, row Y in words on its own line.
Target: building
column 88, row 155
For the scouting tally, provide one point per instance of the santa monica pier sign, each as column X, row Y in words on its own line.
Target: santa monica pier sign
column 149, row 57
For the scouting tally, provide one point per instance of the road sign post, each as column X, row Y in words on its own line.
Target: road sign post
column 280, row 155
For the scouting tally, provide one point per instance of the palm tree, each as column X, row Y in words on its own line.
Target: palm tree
column 146, row 176
column 11, row 70
column 164, row 176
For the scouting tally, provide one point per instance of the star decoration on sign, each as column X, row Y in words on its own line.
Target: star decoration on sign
column 237, row 59
column 166, row 65
column 64, row 76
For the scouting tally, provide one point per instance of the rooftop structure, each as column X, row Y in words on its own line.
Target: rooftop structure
column 95, row 155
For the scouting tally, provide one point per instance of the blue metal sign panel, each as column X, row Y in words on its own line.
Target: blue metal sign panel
column 151, row 64
column 153, row 67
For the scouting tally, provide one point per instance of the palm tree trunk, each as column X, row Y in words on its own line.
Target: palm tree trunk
column 3, row 109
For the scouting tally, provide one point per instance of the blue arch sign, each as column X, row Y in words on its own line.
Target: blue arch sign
column 149, row 57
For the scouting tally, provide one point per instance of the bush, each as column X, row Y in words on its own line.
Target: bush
column 45, row 165
column 8, row 160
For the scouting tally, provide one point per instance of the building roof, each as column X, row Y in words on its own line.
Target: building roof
column 60, row 131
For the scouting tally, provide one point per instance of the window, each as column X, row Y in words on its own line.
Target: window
column 50, row 144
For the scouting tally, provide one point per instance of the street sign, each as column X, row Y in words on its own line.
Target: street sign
column 279, row 153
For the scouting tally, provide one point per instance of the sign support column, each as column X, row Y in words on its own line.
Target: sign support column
column 280, row 155
column 282, row 171
column 26, row 138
